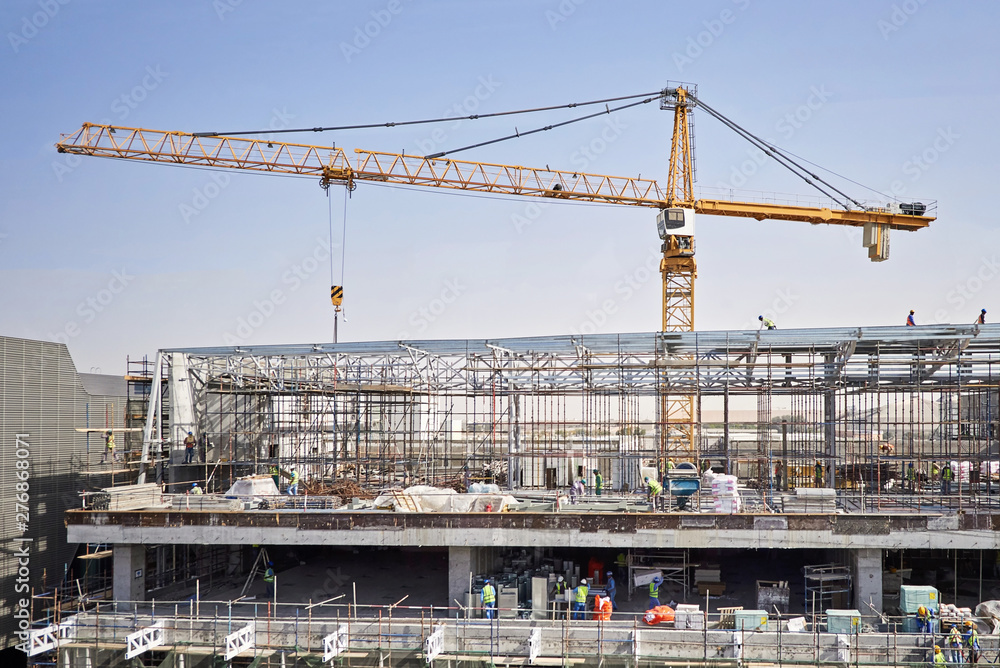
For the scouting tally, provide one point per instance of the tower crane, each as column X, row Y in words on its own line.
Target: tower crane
column 676, row 204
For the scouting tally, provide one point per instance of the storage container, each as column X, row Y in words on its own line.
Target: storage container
column 751, row 620
column 912, row 597
column 843, row 621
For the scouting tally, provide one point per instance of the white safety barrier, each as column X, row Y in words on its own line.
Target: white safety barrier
column 434, row 644
column 43, row 640
column 534, row 645
column 335, row 643
column 240, row 641
column 144, row 639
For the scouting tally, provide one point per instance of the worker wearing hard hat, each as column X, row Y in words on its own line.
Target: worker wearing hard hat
column 766, row 322
column 971, row 640
column 195, row 489
column 598, row 482
column 611, row 590
column 981, row 320
column 269, row 580
column 954, row 654
column 938, row 656
column 488, row 596
column 558, row 595
column 189, row 448
column 653, row 490
column 293, row 483
column 109, row 446
column 580, row 599
column 924, row 617
column 910, row 322
column 654, row 592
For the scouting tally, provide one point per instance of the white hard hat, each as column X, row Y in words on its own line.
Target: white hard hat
column 583, row 581
column 559, row 579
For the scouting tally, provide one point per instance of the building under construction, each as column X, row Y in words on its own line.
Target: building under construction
column 835, row 443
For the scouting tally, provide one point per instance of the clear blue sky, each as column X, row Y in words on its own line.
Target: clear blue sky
column 120, row 258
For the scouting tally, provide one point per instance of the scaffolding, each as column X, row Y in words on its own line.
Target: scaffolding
column 844, row 408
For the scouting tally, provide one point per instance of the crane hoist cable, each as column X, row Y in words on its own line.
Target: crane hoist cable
column 449, row 119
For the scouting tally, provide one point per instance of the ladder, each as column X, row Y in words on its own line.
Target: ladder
column 259, row 566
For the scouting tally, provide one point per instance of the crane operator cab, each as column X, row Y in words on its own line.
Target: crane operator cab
column 676, row 229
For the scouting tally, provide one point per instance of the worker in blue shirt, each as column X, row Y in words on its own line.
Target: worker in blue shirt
column 611, row 589
column 489, row 598
column 269, row 580
column 654, row 592
column 910, row 322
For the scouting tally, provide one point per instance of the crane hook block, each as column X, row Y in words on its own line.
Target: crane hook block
column 337, row 294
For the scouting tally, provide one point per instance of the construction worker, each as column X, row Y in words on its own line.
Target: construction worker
column 954, row 644
column 189, row 448
column 938, row 656
column 670, row 465
column 818, row 473
column 653, row 491
column 598, row 482
column 577, row 490
column 935, row 471
column 778, row 469
column 911, row 477
column 654, row 592
column 910, row 322
column 275, row 476
column 580, row 600
column 293, row 484
column 981, row 320
column 269, row 580
column 195, row 489
column 947, row 475
column 924, row 617
column 766, row 322
column 611, row 590
column 109, row 446
column 488, row 596
column 558, row 596
column 971, row 640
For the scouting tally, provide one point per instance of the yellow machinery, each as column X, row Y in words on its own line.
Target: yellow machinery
column 676, row 202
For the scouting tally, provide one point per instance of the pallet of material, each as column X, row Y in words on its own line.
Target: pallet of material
column 810, row 500
column 134, row 497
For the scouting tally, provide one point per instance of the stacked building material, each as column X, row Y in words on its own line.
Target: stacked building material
column 708, row 581
column 725, row 496
column 810, row 500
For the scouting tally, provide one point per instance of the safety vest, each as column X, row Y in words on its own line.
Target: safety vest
column 189, row 442
column 269, row 575
column 911, row 473
column 654, row 590
column 295, row 477
column 947, row 473
column 769, row 323
column 109, row 441
column 670, row 464
column 939, row 658
column 655, row 487
column 598, row 480
column 955, row 638
column 274, row 470
column 489, row 594
column 972, row 639
column 581, row 594
column 560, row 587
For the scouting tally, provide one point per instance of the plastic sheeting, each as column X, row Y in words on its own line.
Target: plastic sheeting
column 436, row 500
column 258, row 485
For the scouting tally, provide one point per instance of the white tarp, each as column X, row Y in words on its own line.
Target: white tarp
column 257, row 485
column 436, row 500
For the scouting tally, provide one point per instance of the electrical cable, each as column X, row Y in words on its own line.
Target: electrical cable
column 449, row 119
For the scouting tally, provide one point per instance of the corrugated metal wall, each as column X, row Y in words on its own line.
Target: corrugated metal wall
column 41, row 395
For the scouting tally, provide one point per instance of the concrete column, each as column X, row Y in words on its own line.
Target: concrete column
column 866, row 569
column 129, row 569
column 459, row 567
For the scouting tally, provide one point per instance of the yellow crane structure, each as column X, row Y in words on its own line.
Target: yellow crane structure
column 675, row 202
